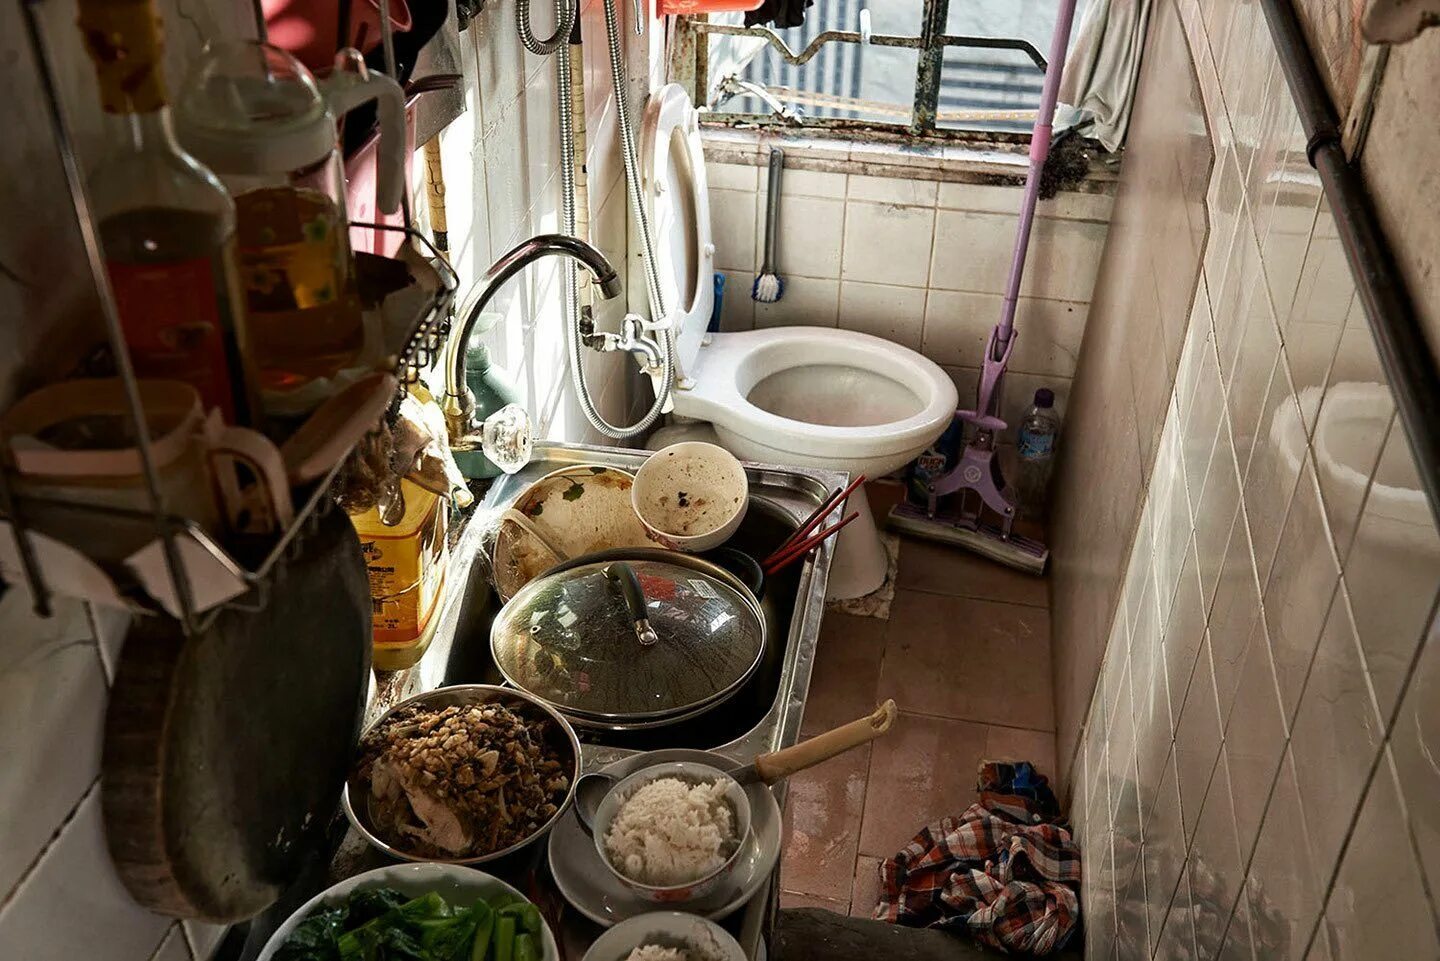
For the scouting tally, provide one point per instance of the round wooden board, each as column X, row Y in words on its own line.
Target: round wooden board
column 225, row 754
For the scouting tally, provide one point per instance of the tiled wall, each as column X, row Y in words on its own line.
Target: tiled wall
column 891, row 242
column 60, row 898
column 1254, row 776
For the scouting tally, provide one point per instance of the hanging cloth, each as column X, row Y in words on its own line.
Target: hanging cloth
column 1100, row 73
column 778, row 13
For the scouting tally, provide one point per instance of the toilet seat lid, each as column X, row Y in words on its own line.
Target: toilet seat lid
column 677, row 195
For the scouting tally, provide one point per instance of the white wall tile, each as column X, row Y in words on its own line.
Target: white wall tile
column 737, row 310
column 52, row 709
column 887, row 244
column 732, row 228
column 894, row 313
column 973, row 252
column 806, row 302
column 995, row 199
column 809, row 237
column 73, row 904
column 888, row 190
column 803, row 183
column 1048, row 332
column 732, row 176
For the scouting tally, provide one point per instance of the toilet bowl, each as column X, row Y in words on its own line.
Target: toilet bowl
column 802, row 396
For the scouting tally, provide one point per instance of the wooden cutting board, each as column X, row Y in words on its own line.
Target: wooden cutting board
column 225, row 753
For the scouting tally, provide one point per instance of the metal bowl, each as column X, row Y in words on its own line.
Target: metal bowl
column 562, row 739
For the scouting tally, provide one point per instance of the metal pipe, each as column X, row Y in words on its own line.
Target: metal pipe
column 1405, row 352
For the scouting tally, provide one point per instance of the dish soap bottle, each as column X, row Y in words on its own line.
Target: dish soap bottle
column 166, row 224
column 1035, row 448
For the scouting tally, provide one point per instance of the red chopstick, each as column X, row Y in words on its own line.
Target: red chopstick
column 820, row 513
column 793, row 553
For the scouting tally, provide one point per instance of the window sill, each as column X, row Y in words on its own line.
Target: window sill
column 977, row 161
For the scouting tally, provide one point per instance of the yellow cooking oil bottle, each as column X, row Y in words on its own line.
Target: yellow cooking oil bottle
column 407, row 564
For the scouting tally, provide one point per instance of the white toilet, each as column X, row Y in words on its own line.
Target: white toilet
column 804, row 396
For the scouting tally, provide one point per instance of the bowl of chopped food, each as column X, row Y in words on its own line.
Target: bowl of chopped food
column 462, row 775
column 672, row 832
column 421, row 912
column 665, row 936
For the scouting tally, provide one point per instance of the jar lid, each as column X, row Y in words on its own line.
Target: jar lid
column 573, row 639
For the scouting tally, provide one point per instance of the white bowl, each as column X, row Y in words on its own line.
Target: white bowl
column 693, row 773
column 701, row 939
column 691, row 496
column 457, row 884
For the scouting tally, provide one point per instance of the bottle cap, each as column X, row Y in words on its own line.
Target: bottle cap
column 1044, row 397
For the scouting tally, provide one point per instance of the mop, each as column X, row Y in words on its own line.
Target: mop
column 976, row 476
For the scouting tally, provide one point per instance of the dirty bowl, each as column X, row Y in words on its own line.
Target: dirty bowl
column 693, row 773
column 691, row 496
column 560, row 738
column 696, row 936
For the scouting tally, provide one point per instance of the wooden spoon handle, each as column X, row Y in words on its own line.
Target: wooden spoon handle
column 781, row 764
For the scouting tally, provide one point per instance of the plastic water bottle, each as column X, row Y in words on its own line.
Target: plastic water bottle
column 1035, row 446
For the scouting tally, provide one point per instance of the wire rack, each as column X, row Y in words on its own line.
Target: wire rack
column 260, row 568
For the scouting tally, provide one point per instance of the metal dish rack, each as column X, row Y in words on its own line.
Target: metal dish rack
column 416, row 351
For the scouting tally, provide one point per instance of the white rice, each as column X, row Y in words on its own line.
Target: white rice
column 671, row 832
column 654, row 952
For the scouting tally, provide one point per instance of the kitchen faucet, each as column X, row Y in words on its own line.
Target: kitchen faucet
column 459, row 402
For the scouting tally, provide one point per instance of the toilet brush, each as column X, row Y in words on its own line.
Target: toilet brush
column 768, row 286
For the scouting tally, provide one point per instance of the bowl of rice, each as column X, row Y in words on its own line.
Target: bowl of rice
column 672, row 832
column 665, row 936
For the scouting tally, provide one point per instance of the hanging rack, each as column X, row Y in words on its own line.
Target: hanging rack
column 416, row 350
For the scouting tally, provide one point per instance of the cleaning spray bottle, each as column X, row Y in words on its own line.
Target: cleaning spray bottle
column 934, row 462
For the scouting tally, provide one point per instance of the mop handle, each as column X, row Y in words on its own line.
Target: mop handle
column 1039, row 151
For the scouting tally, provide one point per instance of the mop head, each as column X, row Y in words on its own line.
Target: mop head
column 768, row 289
column 1017, row 551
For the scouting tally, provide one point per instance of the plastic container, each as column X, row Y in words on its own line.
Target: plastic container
column 406, row 564
column 1035, row 450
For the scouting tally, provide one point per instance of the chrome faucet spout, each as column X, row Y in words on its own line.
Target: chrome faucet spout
column 459, row 404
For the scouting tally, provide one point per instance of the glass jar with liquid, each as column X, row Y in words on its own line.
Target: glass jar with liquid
column 259, row 118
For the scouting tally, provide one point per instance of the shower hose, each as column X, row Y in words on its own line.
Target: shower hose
column 565, row 13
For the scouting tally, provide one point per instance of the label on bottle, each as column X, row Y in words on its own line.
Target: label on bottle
column 124, row 39
column 171, row 316
column 1032, row 446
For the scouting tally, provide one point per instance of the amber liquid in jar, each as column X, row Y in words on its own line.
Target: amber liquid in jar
column 304, row 318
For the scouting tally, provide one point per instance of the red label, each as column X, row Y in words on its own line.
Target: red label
column 171, row 316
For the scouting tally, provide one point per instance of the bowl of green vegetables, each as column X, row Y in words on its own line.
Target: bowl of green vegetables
column 415, row 912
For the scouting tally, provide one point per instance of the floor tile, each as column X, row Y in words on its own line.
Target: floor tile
column 1018, row 744
column 794, row 899
column 923, row 770
column 866, row 892
column 941, row 569
column 969, row 659
column 822, row 815
column 847, row 666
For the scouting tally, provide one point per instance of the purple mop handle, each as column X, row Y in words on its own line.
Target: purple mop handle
column 1039, row 151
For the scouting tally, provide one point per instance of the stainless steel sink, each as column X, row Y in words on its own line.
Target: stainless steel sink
column 763, row 716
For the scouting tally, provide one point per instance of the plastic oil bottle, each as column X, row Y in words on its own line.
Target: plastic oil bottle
column 1035, row 449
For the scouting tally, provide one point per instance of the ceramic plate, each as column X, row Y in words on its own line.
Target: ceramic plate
column 580, row 510
column 455, row 883
column 595, row 892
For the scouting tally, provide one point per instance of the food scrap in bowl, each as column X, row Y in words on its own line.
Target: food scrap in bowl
column 460, row 782
column 657, row 952
column 671, row 832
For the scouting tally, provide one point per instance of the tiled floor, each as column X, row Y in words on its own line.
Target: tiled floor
column 966, row 656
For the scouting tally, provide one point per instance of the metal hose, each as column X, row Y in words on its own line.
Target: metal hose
column 642, row 220
column 565, row 12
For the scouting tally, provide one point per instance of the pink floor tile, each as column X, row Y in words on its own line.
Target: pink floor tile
column 794, row 899
column 822, row 815
column 847, row 668
column 969, row 659
column 866, row 892
column 922, row 770
column 1017, row 744
column 942, row 569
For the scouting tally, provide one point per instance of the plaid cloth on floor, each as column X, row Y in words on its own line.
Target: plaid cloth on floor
column 1006, row 871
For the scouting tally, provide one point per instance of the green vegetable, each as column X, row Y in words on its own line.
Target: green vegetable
column 505, row 938
column 382, row 925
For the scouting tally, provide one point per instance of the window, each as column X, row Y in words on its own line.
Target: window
column 932, row 67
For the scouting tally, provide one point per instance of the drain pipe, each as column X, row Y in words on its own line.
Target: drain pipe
column 1400, row 340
